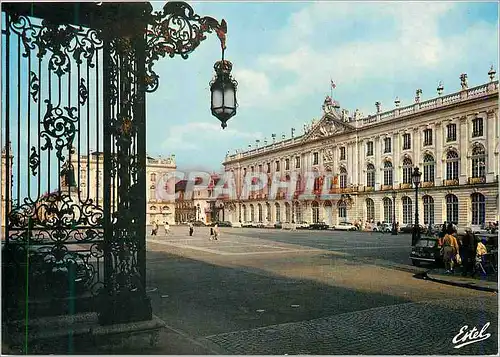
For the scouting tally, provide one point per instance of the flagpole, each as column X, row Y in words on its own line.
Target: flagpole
column 331, row 89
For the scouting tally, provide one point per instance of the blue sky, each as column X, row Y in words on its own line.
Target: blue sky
column 284, row 54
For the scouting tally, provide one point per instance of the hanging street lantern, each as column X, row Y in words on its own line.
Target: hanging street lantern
column 223, row 88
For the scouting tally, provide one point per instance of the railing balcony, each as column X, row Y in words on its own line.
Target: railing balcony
column 404, row 186
column 476, row 180
column 368, row 188
column 450, row 182
column 428, row 184
column 386, row 187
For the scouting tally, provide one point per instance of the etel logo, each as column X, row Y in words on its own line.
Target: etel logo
column 465, row 337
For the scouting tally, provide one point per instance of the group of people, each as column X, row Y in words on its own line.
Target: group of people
column 214, row 231
column 467, row 252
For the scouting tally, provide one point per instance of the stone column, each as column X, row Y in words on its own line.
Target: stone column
column 396, row 156
column 490, row 121
column 438, row 144
column 416, row 148
column 379, row 175
column 464, row 160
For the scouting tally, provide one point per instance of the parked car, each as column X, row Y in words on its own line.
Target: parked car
column 199, row 224
column 302, row 225
column 246, row 224
column 426, row 250
column 318, row 225
column 409, row 228
column 278, row 225
column 345, row 226
column 221, row 224
column 384, row 227
column 236, row 225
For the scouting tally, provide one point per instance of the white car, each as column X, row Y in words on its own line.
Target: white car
column 345, row 226
column 302, row 225
column 384, row 227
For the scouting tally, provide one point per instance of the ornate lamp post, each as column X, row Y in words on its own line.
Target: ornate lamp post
column 394, row 228
column 416, row 228
column 198, row 212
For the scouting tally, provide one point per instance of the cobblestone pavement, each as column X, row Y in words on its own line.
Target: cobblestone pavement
column 266, row 294
column 413, row 328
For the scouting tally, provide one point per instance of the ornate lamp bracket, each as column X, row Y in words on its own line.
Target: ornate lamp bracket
column 177, row 30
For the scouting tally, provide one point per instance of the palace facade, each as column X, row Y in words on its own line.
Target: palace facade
column 453, row 139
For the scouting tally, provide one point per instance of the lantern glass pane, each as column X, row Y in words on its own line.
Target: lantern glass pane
column 216, row 98
column 229, row 96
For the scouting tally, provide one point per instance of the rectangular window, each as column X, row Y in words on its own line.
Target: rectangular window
column 287, row 164
column 251, row 169
column 260, row 168
column 387, row 145
column 342, row 153
column 406, row 141
column 477, row 127
column 277, row 166
column 297, row 162
column 315, row 158
column 452, row 132
column 268, row 167
column 427, row 137
column 369, row 148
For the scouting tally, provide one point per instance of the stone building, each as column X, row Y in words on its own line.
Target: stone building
column 158, row 209
column 453, row 139
column 5, row 173
column 199, row 205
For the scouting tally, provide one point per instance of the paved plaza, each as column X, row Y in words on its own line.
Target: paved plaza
column 257, row 291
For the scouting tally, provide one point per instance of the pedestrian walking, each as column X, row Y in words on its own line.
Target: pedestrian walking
column 467, row 253
column 450, row 249
column 167, row 228
column 154, row 232
column 216, row 232
column 191, row 229
column 211, row 233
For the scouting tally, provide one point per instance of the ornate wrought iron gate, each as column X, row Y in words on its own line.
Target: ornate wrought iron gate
column 75, row 80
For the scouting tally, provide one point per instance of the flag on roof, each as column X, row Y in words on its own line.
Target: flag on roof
column 333, row 84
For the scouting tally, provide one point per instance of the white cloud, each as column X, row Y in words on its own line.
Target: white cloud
column 189, row 136
column 415, row 47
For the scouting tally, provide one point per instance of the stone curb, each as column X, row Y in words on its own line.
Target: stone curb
column 436, row 279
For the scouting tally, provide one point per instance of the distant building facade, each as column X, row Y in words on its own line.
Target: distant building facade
column 453, row 139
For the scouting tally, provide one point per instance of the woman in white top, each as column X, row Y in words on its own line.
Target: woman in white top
column 167, row 228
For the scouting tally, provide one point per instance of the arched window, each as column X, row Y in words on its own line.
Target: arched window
column 407, row 170
column 452, row 209
column 287, row 212
column 252, row 214
column 317, row 184
column 245, row 216
column 388, row 173
column 343, row 177
column 152, row 192
column 342, row 206
column 387, row 210
column 478, row 161
column 452, row 165
column 278, row 212
column 407, row 210
column 315, row 212
column 428, row 168
column 153, row 177
column 370, row 209
column 259, row 206
column 370, row 175
column 428, row 210
column 268, row 212
column 298, row 213
column 478, row 208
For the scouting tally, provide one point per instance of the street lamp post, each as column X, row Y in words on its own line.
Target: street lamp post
column 394, row 227
column 416, row 228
